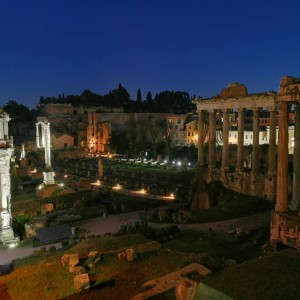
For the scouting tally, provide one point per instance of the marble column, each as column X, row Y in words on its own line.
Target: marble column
column 1, row 129
column 212, row 138
column 295, row 205
column 37, row 136
column 225, row 149
column 282, row 160
column 201, row 135
column 47, row 145
column 240, row 146
column 255, row 149
column 272, row 145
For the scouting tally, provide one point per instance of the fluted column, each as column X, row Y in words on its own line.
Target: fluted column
column 47, row 145
column 282, row 161
column 37, row 136
column 255, row 149
column 225, row 149
column 296, row 162
column 212, row 138
column 272, row 145
column 201, row 135
column 240, row 146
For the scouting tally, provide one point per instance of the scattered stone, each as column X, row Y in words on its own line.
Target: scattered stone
column 122, row 256
column 70, row 260
column 93, row 254
column 81, row 281
column 185, row 289
column 78, row 270
column 73, row 260
column 130, row 254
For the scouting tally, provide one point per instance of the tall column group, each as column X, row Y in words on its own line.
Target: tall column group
column 240, row 140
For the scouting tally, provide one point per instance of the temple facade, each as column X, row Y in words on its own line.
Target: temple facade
column 274, row 184
column 235, row 98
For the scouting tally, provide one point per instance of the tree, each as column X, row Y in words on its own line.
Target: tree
column 18, row 112
column 139, row 96
column 149, row 97
column 155, row 131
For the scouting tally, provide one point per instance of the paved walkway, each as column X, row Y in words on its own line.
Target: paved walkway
column 247, row 223
column 95, row 226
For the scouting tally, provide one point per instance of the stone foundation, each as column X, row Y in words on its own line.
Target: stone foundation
column 247, row 183
column 285, row 228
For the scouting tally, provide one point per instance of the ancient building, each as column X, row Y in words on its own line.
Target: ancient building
column 285, row 221
column 235, row 98
column 62, row 140
column 6, row 152
column 98, row 134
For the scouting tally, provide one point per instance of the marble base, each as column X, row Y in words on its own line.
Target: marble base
column 48, row 178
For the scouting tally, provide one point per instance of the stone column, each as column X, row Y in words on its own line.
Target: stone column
column 201, row 135
column 212, row 138
column 37, row 135
column 1, row 129
column 255, row 149
column 43, row 135
column 282, row 160
column 225, row 149
column 296, row 162
column 272, row 145
column 240, row 146
column 47, row 145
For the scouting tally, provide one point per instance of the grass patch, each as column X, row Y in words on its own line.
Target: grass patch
column 41, row 276
column 197, row 242
column 268, row 278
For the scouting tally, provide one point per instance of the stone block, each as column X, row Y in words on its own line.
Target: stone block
column 81, row 281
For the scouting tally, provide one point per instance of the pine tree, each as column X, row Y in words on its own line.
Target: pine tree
column 149, row 97
column 139, row 96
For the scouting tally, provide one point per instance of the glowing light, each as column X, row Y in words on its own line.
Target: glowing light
column 179, row 163
column 172, row 196
column 61, row 184
column 33, row 171
column 189, row 164
column 143, row 191
column 117, row 187
column 12, row 245
column 66, row 176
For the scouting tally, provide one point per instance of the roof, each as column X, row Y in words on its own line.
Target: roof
column 54, row 233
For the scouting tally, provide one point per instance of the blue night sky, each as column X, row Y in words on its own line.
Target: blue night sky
column 66, row 46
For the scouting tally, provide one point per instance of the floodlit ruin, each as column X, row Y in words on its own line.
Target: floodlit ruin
column 273, row 184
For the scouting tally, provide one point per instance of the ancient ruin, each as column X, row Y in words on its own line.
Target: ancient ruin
column 6, row 151
column 43, row 140
column 232, row 173
column 274, row 184
column 285, row 221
